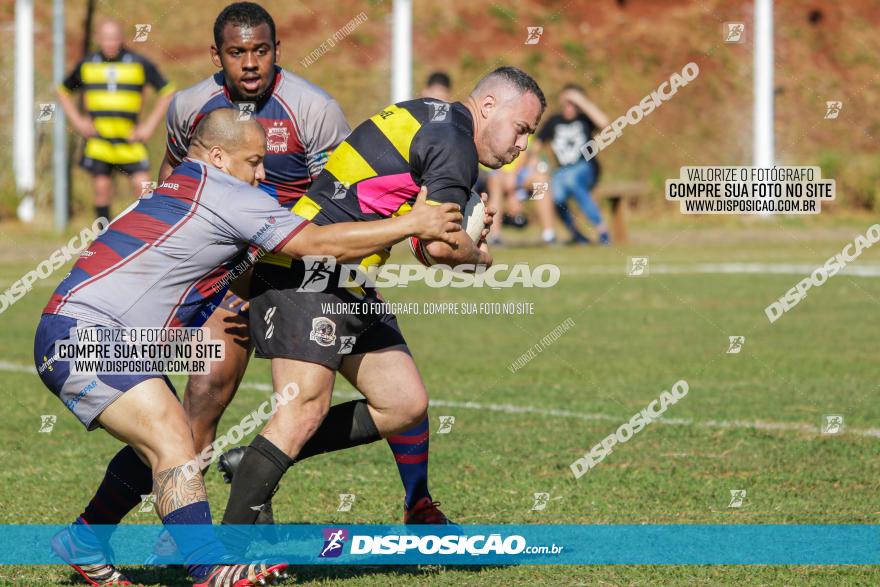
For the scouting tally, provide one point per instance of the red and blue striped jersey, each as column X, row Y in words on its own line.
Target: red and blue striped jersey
column 302, row 122
column 169, row 255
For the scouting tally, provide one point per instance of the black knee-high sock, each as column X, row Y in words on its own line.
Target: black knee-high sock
column 126, row 480
column 259, row 472
column 346, row 425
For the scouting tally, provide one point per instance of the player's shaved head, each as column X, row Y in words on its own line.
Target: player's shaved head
column 506, row 106
column 222, row 128
column 231, row 142
column 509, row 83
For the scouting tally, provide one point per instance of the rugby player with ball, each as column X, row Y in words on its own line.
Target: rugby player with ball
column 377, row 172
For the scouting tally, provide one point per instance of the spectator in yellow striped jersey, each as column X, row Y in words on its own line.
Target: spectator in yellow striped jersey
column 112, row 80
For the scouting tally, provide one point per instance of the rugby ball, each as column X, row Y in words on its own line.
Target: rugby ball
column 471, row 222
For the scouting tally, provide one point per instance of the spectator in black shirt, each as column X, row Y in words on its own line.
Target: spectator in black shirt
column 567, row 133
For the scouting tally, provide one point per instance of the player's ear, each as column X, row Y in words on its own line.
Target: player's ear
column 487, row 106
column 217, row 157
column 277, row 51
column 215, row 57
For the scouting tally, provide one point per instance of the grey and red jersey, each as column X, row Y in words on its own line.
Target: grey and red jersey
column 303, row 124
column 162, row 261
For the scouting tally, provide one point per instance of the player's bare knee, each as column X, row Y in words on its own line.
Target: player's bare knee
column 415, row 410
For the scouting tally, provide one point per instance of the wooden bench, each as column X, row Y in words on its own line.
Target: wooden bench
column 620, row 194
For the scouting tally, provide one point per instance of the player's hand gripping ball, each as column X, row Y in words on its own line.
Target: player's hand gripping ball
column 471, row 222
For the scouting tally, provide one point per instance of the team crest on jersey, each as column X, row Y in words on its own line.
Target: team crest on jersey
column 277, row 138
column 323, row 331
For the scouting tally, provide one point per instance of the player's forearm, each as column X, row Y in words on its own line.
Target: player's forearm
column 349, row 241
column 70, row 109
column 465, row 252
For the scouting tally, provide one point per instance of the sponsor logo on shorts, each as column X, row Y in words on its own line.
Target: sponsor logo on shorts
column 346, row 344
column 334, row 540
column 323, row 331
column 71, row 403
column 47, row 363
column 267, row 318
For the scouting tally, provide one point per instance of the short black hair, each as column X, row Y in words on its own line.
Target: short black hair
column 439, row 78
column 521, row 80
column 242, row 14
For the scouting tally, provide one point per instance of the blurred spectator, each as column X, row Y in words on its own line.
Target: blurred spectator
column 567, row 133
column 438, row 86
column 112, row 80
column 524, row 178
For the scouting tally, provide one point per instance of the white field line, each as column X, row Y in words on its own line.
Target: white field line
column 517, row 409
column 803, row 269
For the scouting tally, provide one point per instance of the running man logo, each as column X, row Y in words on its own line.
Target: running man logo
column 539, row 190
column 267, row 318
column 246, row 111
column 737, row 497
column 832, row 424
column 534, row 35
column 832, row 109
column 148, row 502
column 736, row 344
column 638, row 267
column 141, row 32
column 541, row 500
column 346, row 500
column 47, row 423
column 319, row 269
column 439, row 111
column 734, row 32
column 446, row 423
column 346, row 344
column 147, row 188
column 334, row 540
column 46, row 113
column 339, row 190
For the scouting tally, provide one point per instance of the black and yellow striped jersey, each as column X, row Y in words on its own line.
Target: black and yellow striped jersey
column 113, row 90
column 378, row 170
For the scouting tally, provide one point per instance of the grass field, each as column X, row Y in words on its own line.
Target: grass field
column 633, row 338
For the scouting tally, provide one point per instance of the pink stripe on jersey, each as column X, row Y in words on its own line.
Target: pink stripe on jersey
column 384, row 194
